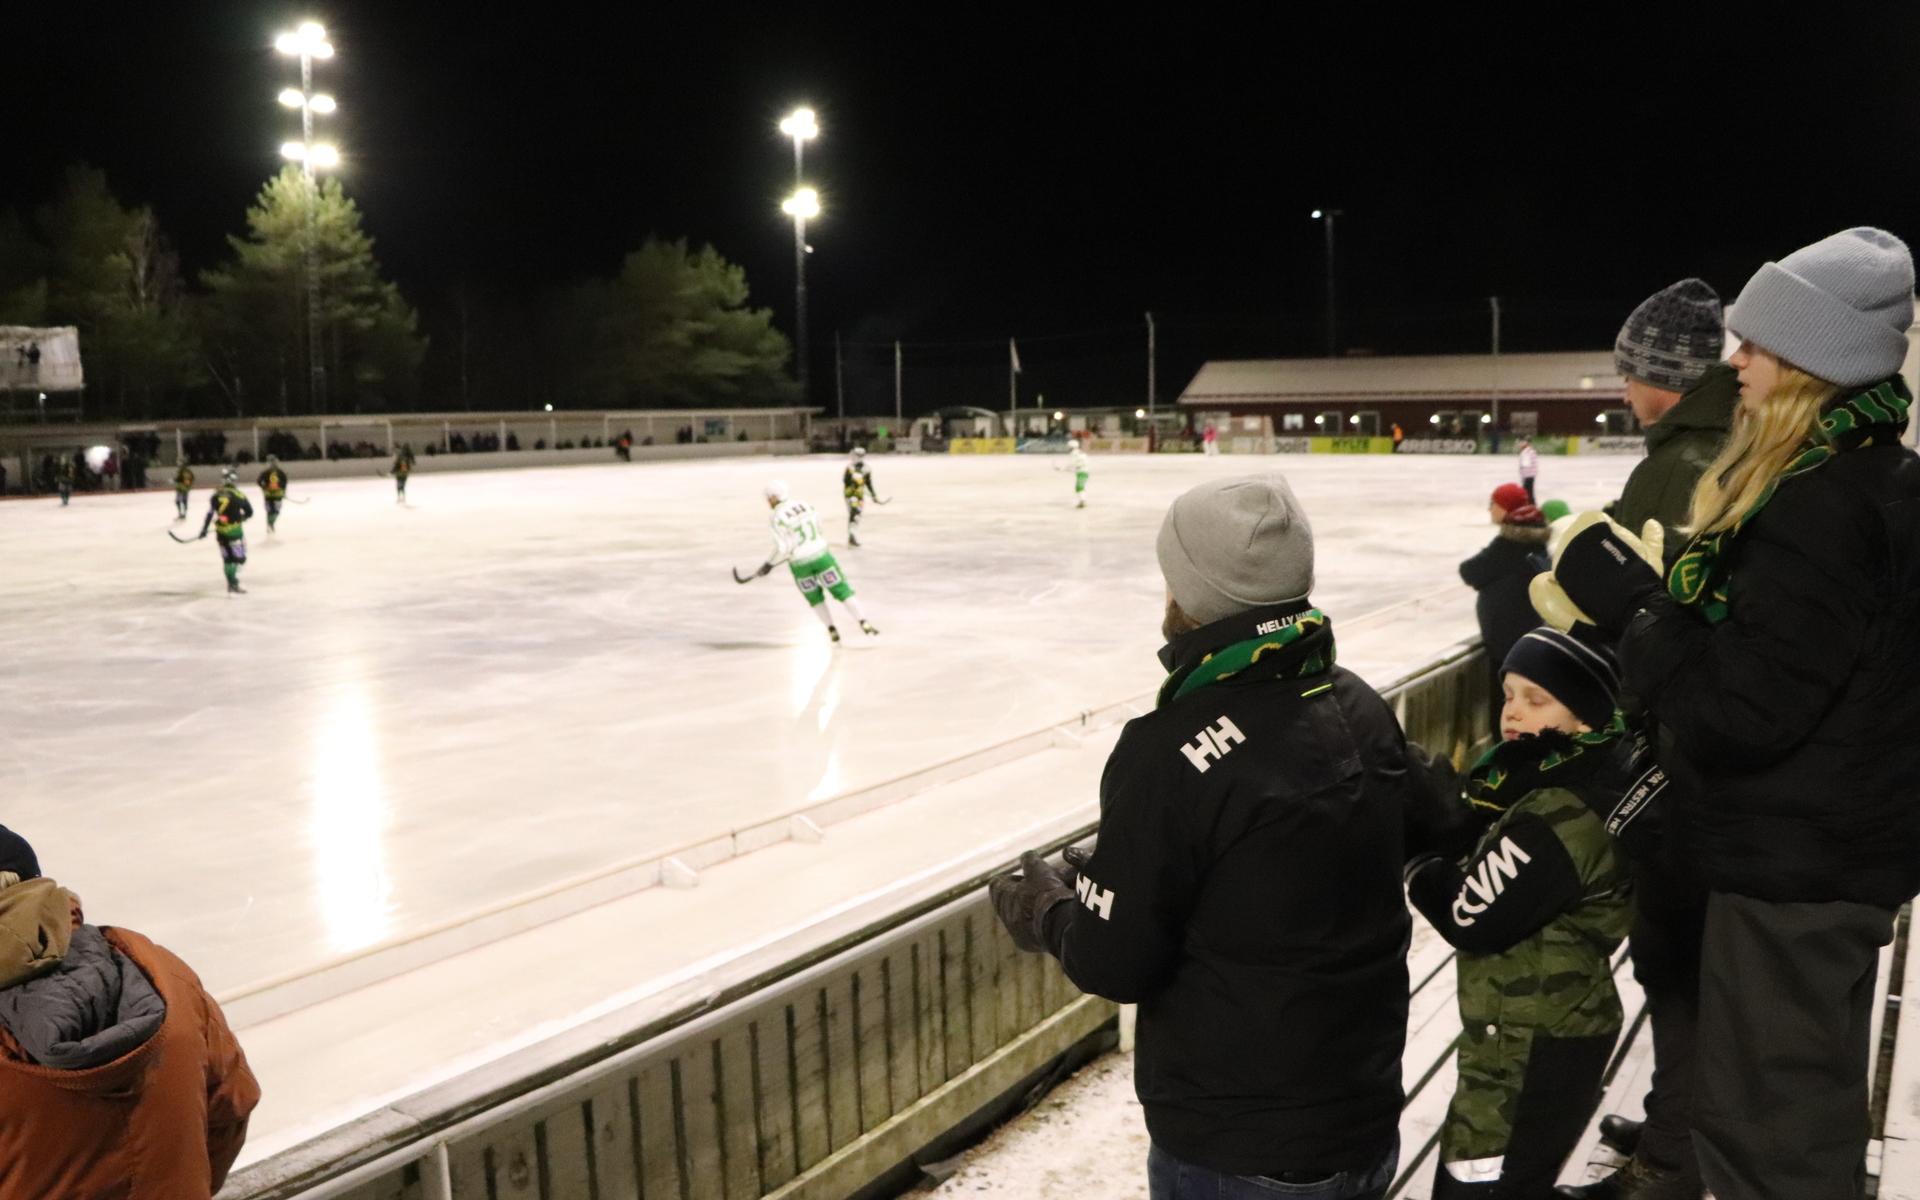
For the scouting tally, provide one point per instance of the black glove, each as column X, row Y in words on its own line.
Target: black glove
column 1606, row 577
column 1023, row 899
column 764, row 568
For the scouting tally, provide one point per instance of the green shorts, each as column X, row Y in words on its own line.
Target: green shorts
column 1079, row 481
column 818, row 576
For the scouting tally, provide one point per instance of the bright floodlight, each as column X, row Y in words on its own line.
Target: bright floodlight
column 1354, row 420
column 800, row 125
column 1316, row 214
column 804, row 203
column 1059, row 416
column 308, row 41
column 1486, row 418
column 1600, row 419
column 1434, row 419
column 549, row 408
column 326, row 155
column 293, row 150
column 292, row 98
column 322, row 104
column 1139, row 413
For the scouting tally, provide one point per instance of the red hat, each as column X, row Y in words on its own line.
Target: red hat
column 1511, row 496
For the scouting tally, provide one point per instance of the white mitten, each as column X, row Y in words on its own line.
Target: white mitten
column 1650, row 545
column 1553, row 604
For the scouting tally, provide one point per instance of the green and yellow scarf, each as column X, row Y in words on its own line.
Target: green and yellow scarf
column 1877, row 416
column 1297, row 650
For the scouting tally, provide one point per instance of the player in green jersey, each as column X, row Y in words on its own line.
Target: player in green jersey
column 799, row 543
column 182, row 484
column 230, row 507
column 273, row 485
column 857, row 483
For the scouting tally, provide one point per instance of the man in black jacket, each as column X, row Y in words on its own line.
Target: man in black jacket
column 1245, row 891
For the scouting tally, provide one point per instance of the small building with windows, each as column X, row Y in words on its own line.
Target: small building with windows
column 1447, row 396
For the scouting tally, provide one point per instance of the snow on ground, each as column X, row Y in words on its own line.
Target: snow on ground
column 524, row 676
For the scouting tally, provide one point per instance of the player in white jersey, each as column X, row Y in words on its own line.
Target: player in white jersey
column 1077, row 463
column 799, row 543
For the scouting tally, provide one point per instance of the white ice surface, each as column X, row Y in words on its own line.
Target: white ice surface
column 524, row 677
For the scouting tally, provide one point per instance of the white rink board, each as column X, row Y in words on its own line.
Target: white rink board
column 525, row 676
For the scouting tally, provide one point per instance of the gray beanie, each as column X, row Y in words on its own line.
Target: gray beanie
column 1838, row 309
column 1673, row 337
column 1235, row 544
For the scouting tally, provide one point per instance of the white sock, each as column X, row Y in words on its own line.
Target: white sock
column 853, row 606
column 826, row 618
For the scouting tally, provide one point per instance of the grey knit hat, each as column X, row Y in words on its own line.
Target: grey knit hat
column 1673, row 337
column 1235, row 544
column 1838, row 309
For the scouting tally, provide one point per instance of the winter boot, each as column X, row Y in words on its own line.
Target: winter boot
column 1638, row 1180
column 867, row 628
column 1622, row 1133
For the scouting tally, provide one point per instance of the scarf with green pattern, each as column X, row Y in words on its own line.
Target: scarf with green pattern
column 1877, row 416
column 1301, row 648
column 1511, row 771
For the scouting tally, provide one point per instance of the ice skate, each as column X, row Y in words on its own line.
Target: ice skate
column 867, row 628
column 833, row 633
column 234, row 589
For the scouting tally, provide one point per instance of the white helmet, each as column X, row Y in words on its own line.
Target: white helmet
column 859, row 452
column 777, row 491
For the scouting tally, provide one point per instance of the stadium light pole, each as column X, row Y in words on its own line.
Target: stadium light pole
column 1326, row 216
column 801, row 206
column 307, row 43
column 802, row 127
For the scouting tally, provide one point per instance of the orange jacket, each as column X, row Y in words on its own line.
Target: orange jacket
column 163, row 1122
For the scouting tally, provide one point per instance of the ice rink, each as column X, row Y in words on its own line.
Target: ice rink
column 523, row 677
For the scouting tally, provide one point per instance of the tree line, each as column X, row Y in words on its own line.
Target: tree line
column 672, row 328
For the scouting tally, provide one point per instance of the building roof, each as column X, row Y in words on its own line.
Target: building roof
column 1438, row 377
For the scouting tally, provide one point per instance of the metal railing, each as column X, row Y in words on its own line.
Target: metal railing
column 811, row 1080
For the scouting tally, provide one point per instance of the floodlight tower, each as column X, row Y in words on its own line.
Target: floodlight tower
column 802, row 127
column 307, row 43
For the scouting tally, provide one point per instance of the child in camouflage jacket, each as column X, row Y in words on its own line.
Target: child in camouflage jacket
column 1536, row 911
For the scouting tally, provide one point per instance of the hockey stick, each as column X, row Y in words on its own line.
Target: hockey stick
column 739, row 578
column 184, row 541
column 307, row 500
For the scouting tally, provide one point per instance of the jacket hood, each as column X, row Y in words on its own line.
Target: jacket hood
column 36, row 923
column 1526, row 535
column 1708, row 404
column 95, row 1007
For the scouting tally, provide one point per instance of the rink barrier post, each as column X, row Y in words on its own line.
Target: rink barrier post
column 811, row 1079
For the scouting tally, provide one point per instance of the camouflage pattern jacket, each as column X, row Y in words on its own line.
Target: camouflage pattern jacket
column 1540, row 905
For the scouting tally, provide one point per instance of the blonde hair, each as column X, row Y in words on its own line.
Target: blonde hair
column 1765, row 438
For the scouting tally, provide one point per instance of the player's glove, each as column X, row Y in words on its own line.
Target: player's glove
column 1601, row 573
column 1022, row 899
column 764, row 568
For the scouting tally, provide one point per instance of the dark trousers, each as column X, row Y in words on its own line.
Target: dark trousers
column 1669, row 919
column 1169, row 1178
column 1780, row 1110
column 1526, row 481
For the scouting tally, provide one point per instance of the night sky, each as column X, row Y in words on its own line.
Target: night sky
column 1048, row 172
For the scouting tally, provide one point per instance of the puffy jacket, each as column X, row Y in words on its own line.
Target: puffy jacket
column 1794, row 718
column 1501, row 573
column 150, row 1102
column 1680, row 447
column 1246, row 893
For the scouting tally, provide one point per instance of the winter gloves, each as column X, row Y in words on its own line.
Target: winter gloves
column 1023, row 898
column 1601, row 574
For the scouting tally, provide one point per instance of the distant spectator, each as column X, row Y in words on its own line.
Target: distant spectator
column 1529, row 465
column 541, row 444
column 1502, row 571
column 623, row 446
column 117, row 1068
column 513, row 441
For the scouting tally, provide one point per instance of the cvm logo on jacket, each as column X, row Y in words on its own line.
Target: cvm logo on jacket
column 1489, row 880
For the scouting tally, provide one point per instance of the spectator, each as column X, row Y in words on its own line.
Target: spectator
column 513, row 441
column 1246, row 886
column 1210, row 440
column 623, row 446
column 1780, row 656
column 1536, row 911
column 1680, row 391
column 117, row 1068
column 1529, row 464
column 1501, row 573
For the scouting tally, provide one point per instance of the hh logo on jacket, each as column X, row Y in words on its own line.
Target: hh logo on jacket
column 1213, row 744
column 1099, row 899
column 1488, row 880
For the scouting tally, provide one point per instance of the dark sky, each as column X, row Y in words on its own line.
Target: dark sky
column 1050, row 171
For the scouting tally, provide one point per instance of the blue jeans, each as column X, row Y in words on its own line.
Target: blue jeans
column 1170, row 1179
